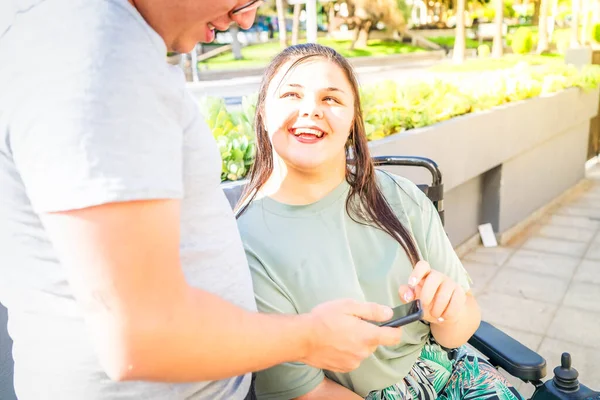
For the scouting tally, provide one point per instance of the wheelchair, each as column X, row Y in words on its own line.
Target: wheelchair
column 501, row 350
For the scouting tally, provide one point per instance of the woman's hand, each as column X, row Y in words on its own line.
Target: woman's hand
column 443, row 300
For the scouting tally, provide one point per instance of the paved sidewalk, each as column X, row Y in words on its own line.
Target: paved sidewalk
column 544, row 287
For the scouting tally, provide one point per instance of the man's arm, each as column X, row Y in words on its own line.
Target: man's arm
column 149, row 324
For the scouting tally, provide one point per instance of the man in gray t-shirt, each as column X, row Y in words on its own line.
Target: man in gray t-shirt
column 120, row 262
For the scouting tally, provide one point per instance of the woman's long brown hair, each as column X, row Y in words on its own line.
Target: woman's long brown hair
column 371, row 208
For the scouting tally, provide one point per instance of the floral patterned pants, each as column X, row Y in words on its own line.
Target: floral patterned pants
column 437, row 376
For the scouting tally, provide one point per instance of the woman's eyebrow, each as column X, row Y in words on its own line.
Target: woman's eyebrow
column 328, row 89
column 333, row 89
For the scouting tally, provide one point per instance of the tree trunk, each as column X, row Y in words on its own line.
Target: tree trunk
column 537, row 5
column 236, row 46
column 498, row 44
column 460, row 40
column 575, row 4
column 281, row 23
column 296, row 24
column 554, row 15
column 543, row 27
column 331, row 19
column 361, row 34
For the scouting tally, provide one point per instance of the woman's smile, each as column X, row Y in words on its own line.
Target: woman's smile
column 308, row 135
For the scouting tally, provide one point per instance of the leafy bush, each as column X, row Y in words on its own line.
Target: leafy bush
column 596, row 33
column 522, row 41
column 483, row 51
column 560, row 37
column 234, row 133
column 488, row 13
column 390, row 107
column 509, row 10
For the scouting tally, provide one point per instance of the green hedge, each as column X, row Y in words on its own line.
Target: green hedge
column 560, row 37
column 522, row 42
column 391, row 107
column 233, row 131
column 484, row 51
column 596, row 33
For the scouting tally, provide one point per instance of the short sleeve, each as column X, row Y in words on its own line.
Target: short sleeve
column 439, row 251
column 288, row 380
column 103, row 125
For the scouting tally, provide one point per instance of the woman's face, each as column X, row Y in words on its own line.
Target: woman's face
column 309, row 113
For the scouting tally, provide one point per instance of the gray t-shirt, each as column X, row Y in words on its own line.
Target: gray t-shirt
column 90, row 113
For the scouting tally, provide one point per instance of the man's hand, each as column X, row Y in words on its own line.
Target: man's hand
column 443, row 300
column 341, row 338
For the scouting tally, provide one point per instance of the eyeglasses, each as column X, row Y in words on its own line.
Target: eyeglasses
column 249, row 6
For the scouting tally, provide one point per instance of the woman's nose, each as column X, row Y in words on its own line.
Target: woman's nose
column 310, row 108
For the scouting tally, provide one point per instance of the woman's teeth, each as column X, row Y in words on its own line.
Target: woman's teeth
column 308, row 131
column 211, row 26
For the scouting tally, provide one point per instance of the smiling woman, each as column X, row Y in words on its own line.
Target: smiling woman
column 312, row 86
column 318, row 223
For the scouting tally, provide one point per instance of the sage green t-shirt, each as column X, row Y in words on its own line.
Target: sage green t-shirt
column 302, row 256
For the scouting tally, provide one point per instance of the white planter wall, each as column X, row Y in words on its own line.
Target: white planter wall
column 502, row 164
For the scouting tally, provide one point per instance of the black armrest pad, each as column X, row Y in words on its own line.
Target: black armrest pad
column 505, row 352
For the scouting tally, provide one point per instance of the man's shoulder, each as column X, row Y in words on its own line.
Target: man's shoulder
column 79, row 30
column 96, row 49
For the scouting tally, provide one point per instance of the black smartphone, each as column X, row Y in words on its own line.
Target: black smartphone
column 404, row 314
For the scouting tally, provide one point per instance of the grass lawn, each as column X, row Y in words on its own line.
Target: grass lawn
column 261, row 54
column 487, row 64
column 448, row 41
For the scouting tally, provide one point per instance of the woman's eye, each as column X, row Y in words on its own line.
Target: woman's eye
column 290, row 94
column 332, row 99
